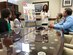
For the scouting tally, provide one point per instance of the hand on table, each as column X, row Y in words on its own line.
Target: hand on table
column 51, row 25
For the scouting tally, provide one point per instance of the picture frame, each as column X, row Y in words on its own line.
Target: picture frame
column 39, row 5
column 66, row 3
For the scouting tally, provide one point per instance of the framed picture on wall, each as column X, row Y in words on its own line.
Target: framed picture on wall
column 39, row 5
column 67, row 3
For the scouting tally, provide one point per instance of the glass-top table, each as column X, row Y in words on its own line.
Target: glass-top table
column 37, row 42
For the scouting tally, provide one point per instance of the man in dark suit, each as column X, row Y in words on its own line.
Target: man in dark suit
column 4, row 22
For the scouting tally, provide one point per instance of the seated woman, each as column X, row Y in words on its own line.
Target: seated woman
column 4, row 21
column 59, row 16
column 17, row 23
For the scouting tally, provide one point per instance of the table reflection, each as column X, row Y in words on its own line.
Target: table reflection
column 49, row 43
column 37, row 42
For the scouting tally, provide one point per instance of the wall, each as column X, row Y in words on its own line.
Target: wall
column 62, row 8
column 20, row 8
column 13, row 1
column 2, row 0
column 54, row 6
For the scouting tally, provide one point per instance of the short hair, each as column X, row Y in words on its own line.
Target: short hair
column 69, row 11
column 5, row 13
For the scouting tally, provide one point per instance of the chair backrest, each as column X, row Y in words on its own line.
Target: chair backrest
column 1, row 46
column 7, row 42
column 68, row 38
column 71, row 41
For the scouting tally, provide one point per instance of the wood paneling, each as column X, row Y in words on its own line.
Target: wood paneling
column 11, row 6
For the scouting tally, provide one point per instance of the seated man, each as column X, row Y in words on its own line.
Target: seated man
column 67, row 22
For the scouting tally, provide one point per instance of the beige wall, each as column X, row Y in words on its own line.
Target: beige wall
column 62, row 8
column 20, row 8
column 54, row 6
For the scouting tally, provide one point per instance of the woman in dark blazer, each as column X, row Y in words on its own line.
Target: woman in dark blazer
column 4, row 22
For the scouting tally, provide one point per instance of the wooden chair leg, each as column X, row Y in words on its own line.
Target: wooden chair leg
column 9, row 51
column 1, row 46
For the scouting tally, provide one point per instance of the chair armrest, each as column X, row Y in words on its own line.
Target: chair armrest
column 67, row 51
column 67, row 38
column 68, row 45
column 71, row 33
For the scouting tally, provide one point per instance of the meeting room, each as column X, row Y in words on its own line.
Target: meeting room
column 36, row 27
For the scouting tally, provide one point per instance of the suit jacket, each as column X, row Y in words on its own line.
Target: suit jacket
column 3, row 26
